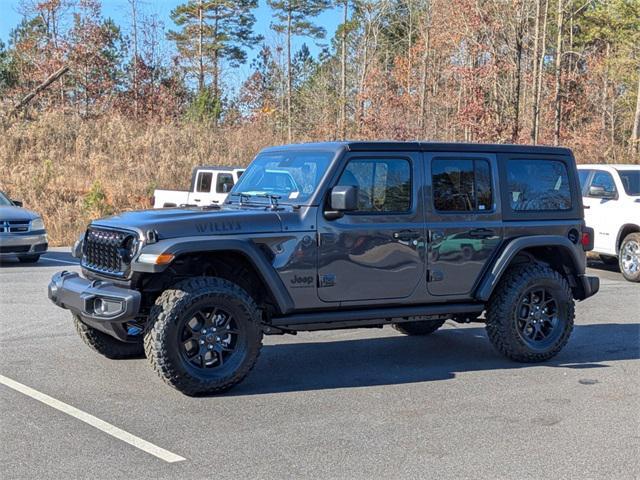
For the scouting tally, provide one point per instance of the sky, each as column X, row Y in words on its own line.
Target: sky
column 118, row 10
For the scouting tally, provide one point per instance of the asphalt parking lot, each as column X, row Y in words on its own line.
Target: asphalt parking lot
column 342, row 404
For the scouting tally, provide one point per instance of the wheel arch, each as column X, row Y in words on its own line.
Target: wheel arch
column 556, row 251
column 220, row 256
column 625, row 230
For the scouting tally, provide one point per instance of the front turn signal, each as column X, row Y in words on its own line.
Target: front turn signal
column 162, row 259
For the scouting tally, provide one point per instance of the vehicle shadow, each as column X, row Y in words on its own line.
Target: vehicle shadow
column 398, row 359
column 599, row 265
column 48, row 259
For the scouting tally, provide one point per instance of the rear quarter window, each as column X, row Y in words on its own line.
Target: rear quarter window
column 538, row 185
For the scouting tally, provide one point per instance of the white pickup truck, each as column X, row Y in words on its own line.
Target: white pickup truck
column 611, row 198
column 209, row 185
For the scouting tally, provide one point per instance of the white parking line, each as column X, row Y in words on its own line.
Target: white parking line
column 61, row 261
column 116, row 432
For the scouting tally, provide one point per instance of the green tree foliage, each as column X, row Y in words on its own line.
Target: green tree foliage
column 8, row 74
column 96, row 55
column 213, row 31
column 205, row 107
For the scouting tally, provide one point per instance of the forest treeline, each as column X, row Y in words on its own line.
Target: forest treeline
column 563, row 72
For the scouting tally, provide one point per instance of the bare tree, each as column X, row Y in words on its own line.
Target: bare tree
column 635, row 134
column 558, row 73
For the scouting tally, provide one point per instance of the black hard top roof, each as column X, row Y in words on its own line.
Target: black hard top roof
column 392, row 146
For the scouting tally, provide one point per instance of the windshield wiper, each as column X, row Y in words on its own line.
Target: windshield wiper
column 273, row 199
column 242, row 196
column 246, row 197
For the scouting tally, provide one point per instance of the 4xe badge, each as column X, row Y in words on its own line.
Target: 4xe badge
column 302, row 281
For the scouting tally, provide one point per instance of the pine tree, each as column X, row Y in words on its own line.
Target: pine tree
column 213, row 31
column 292, row 19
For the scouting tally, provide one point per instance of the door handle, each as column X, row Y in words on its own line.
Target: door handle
column 196, row 199
column 406, row 235
column 586, row 206
column 481, row 233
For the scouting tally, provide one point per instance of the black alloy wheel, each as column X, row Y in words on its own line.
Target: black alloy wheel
column 210, row 338
column 538, row 322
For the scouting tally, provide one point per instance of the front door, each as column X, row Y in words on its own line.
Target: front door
column 463, row 219
column 376, row 252
column 601, row 214
column 203, row 191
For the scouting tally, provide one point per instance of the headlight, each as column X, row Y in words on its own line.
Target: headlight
column 37, row 224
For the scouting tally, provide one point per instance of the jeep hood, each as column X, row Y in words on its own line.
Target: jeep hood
column 194, row 221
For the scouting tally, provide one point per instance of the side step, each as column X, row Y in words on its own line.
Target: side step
column 330, row 320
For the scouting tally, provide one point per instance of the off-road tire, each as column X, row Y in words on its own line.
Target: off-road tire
column 107, row 345
column 630, row 276
column 423, row 327
column 501, row 312
column 28, row 258
column 166, row 320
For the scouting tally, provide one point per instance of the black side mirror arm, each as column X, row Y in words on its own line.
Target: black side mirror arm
column 333, row 214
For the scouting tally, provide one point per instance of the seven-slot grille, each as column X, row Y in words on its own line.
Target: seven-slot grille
column 107, row 251
column 14, row 226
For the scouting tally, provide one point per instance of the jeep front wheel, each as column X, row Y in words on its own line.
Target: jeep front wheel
column 629, row 257
column 205, row 336
column 530, row 315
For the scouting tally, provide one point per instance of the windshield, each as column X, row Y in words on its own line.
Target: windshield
column 4, row 201
column 631, row 181
column 290, row 177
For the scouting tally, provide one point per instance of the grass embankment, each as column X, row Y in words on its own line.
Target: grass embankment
column 72, row 170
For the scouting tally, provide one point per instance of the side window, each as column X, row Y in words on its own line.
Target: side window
column 224, row 183
column 461, row 185
column 204, row 182
column 604, row 180
column 583, row 175
column 538, row 185
column 384, row 185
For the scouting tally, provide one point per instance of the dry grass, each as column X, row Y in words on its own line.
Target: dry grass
column 72, row 170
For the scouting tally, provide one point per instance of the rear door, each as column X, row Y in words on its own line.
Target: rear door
column 463, row 219
column 375, row 253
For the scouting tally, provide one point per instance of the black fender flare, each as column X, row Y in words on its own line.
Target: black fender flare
column 491, row 277
column 179, row 246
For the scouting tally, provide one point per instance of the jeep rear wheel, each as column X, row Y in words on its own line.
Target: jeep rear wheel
column 629, row 257
column 423, row 327
column 530, row 315
column 205, row 336
column 105, row 344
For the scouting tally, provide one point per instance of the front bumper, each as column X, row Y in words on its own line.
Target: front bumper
column 590, row 286
column 23, row 244
column 100, row 304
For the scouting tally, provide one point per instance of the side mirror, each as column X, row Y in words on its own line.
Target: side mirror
column 600, row 192
column 343, row 199
column 17, row 203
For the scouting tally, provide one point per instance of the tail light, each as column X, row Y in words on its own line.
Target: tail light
column 153, row 200
column 587, row 239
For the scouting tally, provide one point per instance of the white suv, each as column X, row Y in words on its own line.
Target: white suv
column 611, row 197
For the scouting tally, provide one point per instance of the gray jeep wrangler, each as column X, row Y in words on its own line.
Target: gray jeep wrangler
column 340, row 235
